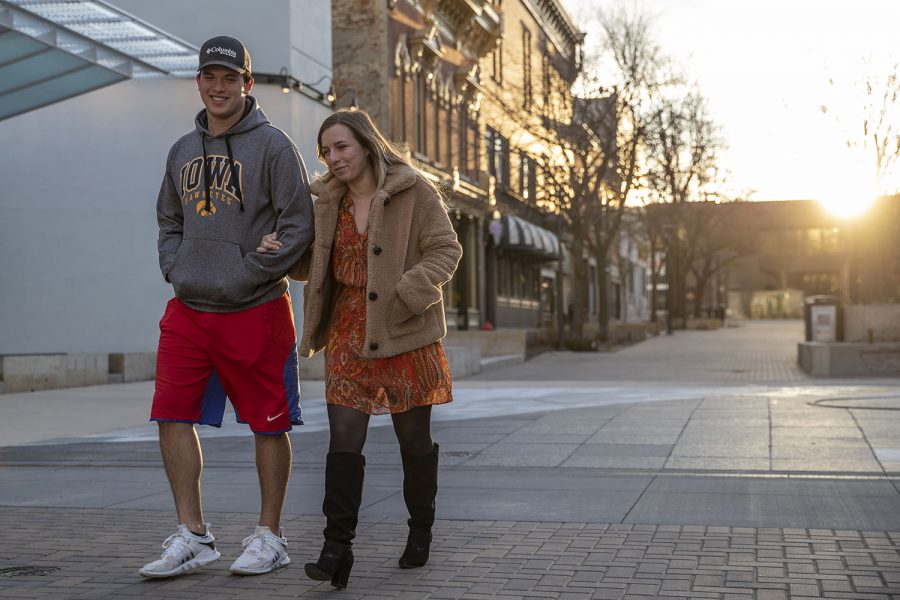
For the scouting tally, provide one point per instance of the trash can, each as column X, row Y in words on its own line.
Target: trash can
column 823, row 319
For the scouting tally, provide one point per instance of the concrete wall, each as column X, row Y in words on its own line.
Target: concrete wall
column 492, row 343
column 79, row 270
column 872, row 323
column 824, row 359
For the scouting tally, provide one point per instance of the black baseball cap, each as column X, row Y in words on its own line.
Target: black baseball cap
column 225, row 51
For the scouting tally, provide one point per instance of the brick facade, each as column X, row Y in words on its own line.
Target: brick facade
column 429, row 72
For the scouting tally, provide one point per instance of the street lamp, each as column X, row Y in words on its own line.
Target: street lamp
column 668, row 228
column 560, row 286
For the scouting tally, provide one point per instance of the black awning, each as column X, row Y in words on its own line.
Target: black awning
column 522, row 235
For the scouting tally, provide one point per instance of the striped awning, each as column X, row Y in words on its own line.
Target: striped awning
column 522, row 235
column 54, row 50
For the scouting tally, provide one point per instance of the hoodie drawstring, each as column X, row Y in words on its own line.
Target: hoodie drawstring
column 205, row 172
column 234, row 176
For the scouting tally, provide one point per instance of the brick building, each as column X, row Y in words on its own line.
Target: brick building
column 794, row 249
column 468, row 86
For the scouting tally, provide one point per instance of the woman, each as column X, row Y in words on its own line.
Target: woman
column 384, row 246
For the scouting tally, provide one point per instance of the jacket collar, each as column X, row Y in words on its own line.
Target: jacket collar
column 399, row 177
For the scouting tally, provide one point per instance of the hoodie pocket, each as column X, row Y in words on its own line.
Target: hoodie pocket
column 211, row 271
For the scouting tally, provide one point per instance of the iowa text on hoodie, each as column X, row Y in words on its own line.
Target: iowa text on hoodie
column 219, row 196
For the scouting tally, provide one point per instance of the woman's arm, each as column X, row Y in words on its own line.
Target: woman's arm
column 420, row 286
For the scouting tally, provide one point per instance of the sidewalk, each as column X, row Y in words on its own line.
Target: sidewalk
column 702, row 465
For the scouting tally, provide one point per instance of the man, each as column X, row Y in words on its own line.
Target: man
column 230, row 329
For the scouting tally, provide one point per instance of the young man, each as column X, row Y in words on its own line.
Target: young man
column 230, row 329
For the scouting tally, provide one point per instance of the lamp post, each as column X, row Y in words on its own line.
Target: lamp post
column 668, row 228
column 560, row 317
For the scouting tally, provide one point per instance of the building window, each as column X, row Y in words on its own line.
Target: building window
column 821, row 283
column 526, row 67
column 629, row 277
column 420, row 116
column 498, row 156
column 518, row 278
column 463, row 140
column 545, row 79
column 816, row 240
column 437, row 127
column 400, row 131
column 448, row 144
column 497, row 70
column 527, row 181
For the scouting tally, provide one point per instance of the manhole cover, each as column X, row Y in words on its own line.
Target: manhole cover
column 27, row 571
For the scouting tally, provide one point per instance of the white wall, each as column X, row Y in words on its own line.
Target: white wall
column 78, row 263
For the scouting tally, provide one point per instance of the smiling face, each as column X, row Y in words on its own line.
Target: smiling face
column 345, row 156
column 222, row 91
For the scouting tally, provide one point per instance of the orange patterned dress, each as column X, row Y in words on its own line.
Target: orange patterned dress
column 373, row 385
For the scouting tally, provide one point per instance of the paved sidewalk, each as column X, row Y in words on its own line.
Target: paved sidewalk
column 82, row 558
column 728, row 475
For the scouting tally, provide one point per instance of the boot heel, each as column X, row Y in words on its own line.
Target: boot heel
column 342, row 576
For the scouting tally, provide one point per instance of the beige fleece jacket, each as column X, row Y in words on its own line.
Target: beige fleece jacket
column 412, row 252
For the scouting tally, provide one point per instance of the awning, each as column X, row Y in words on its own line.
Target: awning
column 53, row 50
column 519, row 234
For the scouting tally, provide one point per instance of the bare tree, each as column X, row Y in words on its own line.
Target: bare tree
column 873, row 126
column 598, row 143
column 627, row 59
column 683, row 144
column 717, row 244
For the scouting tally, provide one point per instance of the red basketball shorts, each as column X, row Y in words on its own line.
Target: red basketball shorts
column 249, row 356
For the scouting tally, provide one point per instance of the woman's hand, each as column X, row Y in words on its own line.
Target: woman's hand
column 269, row 242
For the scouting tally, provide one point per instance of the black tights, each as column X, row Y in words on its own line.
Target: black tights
column 349, row 427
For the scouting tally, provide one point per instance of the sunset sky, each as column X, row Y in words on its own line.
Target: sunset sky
column 764, row 65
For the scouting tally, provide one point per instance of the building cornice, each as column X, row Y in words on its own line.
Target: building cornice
column 558, row 26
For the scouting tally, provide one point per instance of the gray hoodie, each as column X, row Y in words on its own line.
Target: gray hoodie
column 211, row 220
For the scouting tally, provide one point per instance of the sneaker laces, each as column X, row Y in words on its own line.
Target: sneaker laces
column 264, row 545
column 176, row 547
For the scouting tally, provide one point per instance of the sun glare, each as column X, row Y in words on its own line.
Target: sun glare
column 851, row 187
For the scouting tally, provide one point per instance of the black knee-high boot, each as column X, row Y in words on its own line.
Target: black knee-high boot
column 344, row 473
column 419, row 491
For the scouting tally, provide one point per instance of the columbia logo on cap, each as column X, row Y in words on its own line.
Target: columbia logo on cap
column 221, row 50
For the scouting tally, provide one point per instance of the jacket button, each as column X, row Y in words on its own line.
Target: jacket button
column 373, row 296
column 373, row 346
column 376, row 250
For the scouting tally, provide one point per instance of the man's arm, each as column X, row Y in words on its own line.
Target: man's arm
column 170, row 216
column 289, row 188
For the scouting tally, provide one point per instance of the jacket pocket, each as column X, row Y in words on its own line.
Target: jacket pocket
column 402, row 321
column 211, row 271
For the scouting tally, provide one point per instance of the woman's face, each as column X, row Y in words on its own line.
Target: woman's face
column 346, row 158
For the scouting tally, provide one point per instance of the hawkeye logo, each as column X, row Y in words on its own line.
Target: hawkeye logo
column 221, row 50
column 224, row 183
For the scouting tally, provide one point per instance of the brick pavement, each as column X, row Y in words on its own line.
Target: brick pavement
column 591, row 455
column 756, row 352
column 93, row 554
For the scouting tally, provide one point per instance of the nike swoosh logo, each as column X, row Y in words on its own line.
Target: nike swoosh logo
column 270, row 419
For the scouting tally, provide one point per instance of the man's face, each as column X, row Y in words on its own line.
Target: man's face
column 222, row 91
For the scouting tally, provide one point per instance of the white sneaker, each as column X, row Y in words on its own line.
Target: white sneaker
column 263, row 552
column 184, row 552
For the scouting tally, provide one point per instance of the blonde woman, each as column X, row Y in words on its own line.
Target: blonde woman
column 384, row 246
